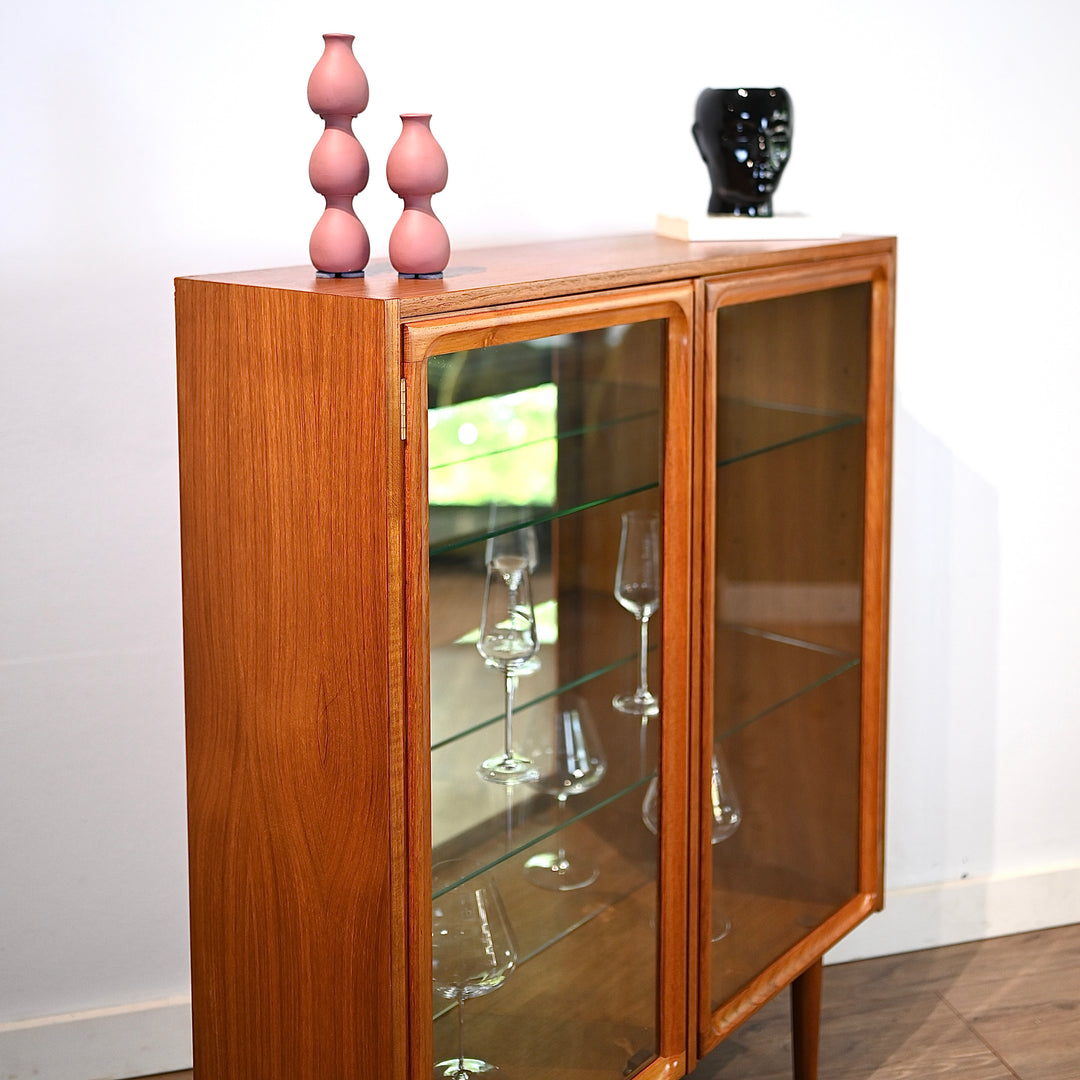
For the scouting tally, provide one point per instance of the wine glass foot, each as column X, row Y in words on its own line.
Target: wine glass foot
column 553, row 870
column 637, row 704
column 508, row 769
column 463, row 1068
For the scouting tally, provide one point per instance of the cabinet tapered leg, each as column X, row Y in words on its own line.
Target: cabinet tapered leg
column 806, row 1022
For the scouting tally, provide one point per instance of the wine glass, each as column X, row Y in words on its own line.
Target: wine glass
column 637, row 588
column 508, row 639
column 520, row 543
column 572, row 762
column 726, row 816
column 472, row 951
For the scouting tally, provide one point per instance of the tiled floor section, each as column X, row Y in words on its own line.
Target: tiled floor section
column 1003, row 1009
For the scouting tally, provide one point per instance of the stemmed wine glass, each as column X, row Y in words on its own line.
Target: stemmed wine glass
column 726, row 816
column 472, row 952
column 573, row 762
column 637, row 588
column 507, row 640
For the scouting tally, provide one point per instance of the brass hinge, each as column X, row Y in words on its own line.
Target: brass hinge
column 403, row 409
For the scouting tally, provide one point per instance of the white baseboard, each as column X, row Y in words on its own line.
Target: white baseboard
column 966, row 910
column 99, row 1044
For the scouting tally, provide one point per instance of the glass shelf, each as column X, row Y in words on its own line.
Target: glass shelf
column 745, row 655
column 486, row 824
column 454, row 526
column 758, row 671
column 561, row 935
column 747, row 428
column 531, row 825
column 522, row 702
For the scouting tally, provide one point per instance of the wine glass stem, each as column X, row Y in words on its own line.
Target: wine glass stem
column 643, row 659
column 508, row 728
column 461, row 1034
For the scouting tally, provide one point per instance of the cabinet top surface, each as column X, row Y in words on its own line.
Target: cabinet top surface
column 497, row 275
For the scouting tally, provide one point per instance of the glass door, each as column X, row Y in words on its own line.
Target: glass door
column 548, row 447
column 787, row 789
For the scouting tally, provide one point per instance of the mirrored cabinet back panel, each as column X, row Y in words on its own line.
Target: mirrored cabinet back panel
column 534, row 625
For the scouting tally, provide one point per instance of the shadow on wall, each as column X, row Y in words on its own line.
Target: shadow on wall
column 943, row 707
column 943, row 664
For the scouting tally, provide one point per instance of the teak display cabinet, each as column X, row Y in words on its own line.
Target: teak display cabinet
column 355, row 454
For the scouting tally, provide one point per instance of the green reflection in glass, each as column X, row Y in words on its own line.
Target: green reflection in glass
column 495, row 449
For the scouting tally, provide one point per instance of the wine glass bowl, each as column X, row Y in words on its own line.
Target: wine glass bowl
column 724, row 799
column 571, row 762
column 509, row 552
column 472, row 951
column 637, row 589
column 726, row 813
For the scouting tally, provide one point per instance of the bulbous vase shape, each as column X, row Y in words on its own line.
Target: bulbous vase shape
column 338, row 164
column 416, row 164
column 339, row 242
column 415, row 170
column 337, row 85
column 419, row 244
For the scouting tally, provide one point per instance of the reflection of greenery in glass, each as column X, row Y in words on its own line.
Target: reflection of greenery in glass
column 494, row 450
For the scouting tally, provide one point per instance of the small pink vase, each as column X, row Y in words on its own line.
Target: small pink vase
column 338, row 90
column 415, row 170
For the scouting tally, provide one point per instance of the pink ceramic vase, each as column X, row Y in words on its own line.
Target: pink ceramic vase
column 415, row 170
column 338, row 90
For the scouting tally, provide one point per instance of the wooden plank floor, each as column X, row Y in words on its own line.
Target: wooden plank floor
column 1003, row 1009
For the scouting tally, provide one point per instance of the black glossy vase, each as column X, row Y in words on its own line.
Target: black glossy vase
column 744, row 136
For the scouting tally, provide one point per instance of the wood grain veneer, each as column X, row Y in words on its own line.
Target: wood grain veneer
column 293, row 763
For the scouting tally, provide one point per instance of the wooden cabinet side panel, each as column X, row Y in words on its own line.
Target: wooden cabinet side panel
column 876, row 578
column 290, row 618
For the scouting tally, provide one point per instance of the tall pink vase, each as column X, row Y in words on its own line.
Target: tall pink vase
column 415, row 170
column 338, row 90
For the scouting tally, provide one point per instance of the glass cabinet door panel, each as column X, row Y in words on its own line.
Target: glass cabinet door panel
column 779, row 875
column 789, row 540
column 790, row 441
column 537, row 450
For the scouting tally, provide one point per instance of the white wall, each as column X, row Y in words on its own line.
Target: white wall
column 141, row 141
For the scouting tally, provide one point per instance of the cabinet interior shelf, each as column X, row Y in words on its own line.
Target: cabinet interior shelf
column 523, row 703
column 531, row 826
column 545, row 919
column 797, row 666
column 747, row 428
